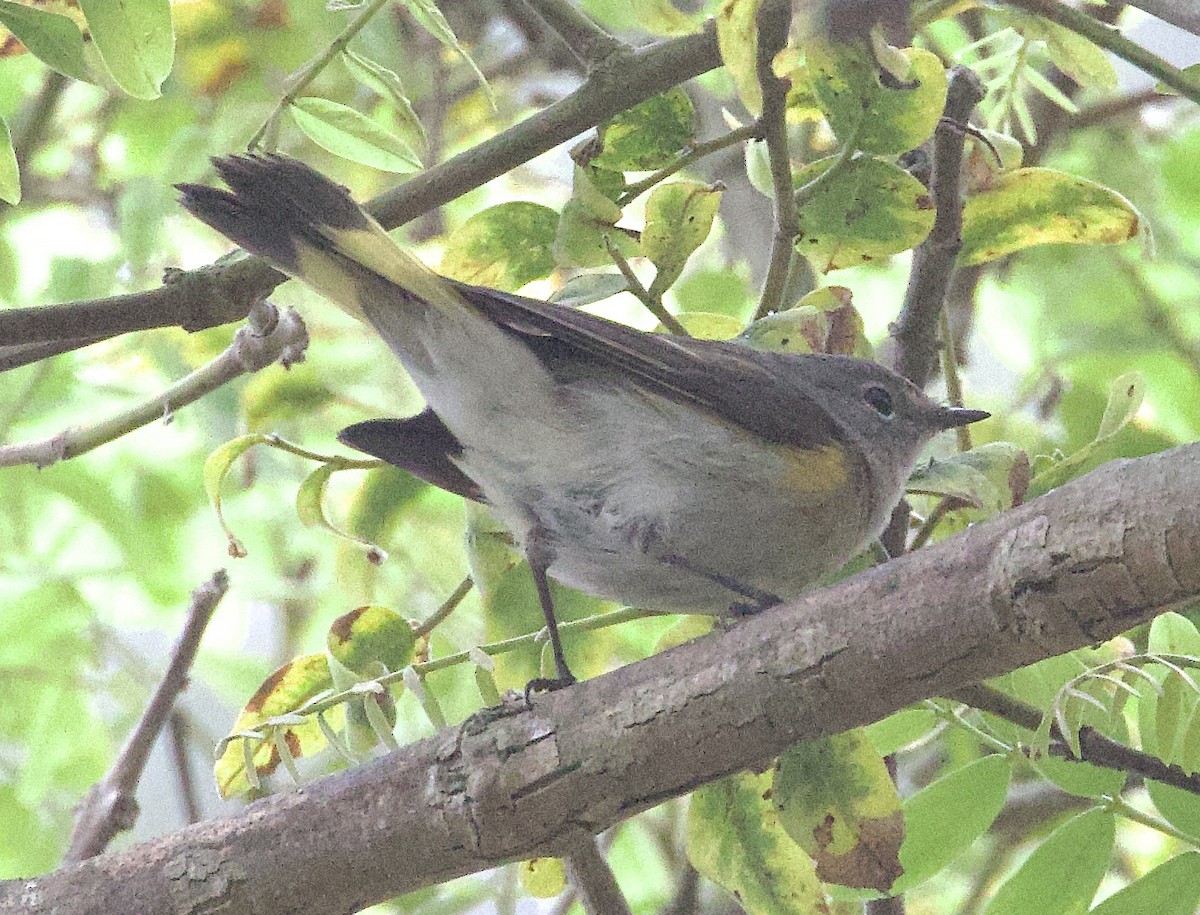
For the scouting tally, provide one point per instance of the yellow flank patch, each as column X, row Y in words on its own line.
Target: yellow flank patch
column 328, row 277
column 814, row 470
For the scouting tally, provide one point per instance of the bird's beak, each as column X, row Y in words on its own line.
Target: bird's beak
column 953, row 417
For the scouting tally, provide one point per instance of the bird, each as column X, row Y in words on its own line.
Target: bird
column 664, row 472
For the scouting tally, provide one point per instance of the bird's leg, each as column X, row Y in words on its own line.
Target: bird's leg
column 756, row 600
column 540, row 556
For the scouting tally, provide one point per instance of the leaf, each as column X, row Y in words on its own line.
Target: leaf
column 834, row 796
column 735, row 840
column 286, row 690
column 737, row 38
column 900, row 729
column 1172, row 888
column 943, row 819
column 958, row 480
column 543, row 878
column 431, row 19
column 587, row 288
column 1180, row 808
column 868, row 209
column 504, row 246
column 679, row 217
column 381, row 501
column 310, row 508
column 1063, row 873
column 648, row 135
column 216, row 468
column 589, row 218
column 1079, row 58
column 824, row 321
column 1040, row 206
column 387, row 85
column 10, row 173
column 881, row 118
column 371, row 635
column 1125, row 396
column 53, row 39
column 136, row 41
column 662, row 17
column 346, row 133
column 707, row 326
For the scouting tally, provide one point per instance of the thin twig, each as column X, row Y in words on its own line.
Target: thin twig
column 593, row 880
column 250, row 351
column 590, row 44
column 773, row 26
column 311, row 70
column 915, row 330
column 1094, row 747
column 28, row 137
column 1111, row 39
column 642, row 294
column 110, row 807
column 449, row 605
column 178, row 730
column 696, row 152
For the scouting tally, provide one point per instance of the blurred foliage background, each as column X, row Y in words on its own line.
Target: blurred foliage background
column 98, row 553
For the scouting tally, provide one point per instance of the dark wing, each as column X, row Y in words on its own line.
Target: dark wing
column 744, row 386
column 421, row 444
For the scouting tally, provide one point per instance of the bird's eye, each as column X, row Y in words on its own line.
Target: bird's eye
column 879, row 400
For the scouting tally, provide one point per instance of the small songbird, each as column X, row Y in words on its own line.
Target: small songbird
column 664, row 472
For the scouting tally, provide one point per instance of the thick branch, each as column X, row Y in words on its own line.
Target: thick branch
column 1076, row 566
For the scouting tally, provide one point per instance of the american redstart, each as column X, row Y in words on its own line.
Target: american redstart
column 664, row 472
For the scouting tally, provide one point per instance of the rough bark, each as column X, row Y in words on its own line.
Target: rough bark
column 1087, row 561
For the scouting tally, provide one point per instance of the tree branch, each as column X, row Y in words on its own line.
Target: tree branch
column 590, row 44
column 109, row 807
column 1076, row 566
column 284, row 340
column 593, row 880
column 221, row 293
column 915, row 330
column 1183, row 14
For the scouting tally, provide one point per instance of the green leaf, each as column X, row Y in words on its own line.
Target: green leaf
column 705, row 325
column 53, row 39
column 589, row 218
column 943, row 819
column 867, row 209
column 834, row 796
column 1063, row 873
column 1079, row 58
column 959, row 480
column 587, row 288
column 216, row 468
column 136, row 41
column 1180, row 808
column 370, row 635
column 886, row 119
column 649, row 135
column 310, row 507
column 1040, row 206
column 504, row 246
column 10, row 173
column 387, row 85
column 824, row 321
column 1172, row 888
column 1125, row 396
column 346, row 133
column 900, row 729
column 382, row 500
column 679, row 217
column 735, row 840
column 737, row 38
column 1173, row 633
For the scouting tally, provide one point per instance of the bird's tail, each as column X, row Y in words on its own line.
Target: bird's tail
column 310, row 228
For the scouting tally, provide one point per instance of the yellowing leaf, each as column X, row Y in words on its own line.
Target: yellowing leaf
column 346, row 133
column 835, row 797
column 824, row 321
column 543, row 878
column 737, row 38
column 881, row 117
column 370, row 635
column 735, row 840
column 1040, row 206
column 869, row 208
column 216, row 467
column 679, row 217
column 587, row 220
column 504, row 246
column 648, row 135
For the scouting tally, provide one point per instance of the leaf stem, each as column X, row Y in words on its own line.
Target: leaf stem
column 653, row 304
column 696, row 152
column 310, row 72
